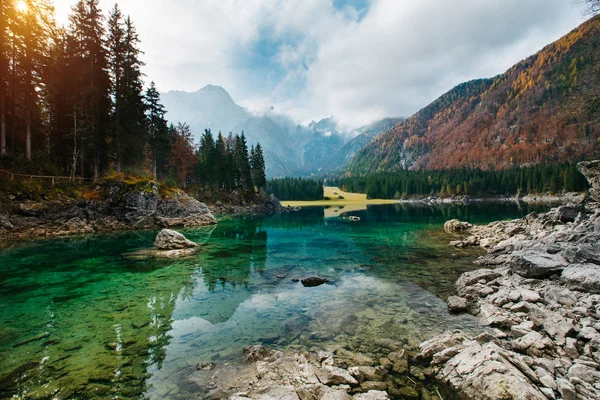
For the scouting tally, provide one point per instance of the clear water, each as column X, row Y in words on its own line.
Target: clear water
column 78, row 319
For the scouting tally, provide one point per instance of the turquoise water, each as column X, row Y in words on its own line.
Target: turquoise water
column 79, row 319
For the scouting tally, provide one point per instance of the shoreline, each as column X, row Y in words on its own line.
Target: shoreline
column 539, row 290
column 528, row 199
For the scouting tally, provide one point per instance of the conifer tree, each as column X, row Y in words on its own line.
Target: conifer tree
column 134, row 109
column 258, row 167
column 158, row 138
column 116, row 59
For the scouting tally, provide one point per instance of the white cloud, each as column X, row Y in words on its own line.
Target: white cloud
column 398, row 58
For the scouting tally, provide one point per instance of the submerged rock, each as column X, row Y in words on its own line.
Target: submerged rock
column 313, row 281
column 168, row 239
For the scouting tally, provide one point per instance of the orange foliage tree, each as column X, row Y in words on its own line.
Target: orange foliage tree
column 182, row 157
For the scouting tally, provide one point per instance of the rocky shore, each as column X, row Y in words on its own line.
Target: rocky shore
column 540, row 292
column 113, row 206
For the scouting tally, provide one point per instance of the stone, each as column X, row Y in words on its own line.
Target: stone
column 399, row 361
column 373, row 385
column 457, row 304
column 455, row 226
column 281, row 392
column 256, row 353
column 560, row 296
column 531, row 339
column 582, row 277
column 372, row 395
column 313, row 281
column 482, row 372
column 368, row 373
column 329, row 375
column 568, row 213
column 583, row 373
column 440, row 343
column 570, row 348
column 168, row 239
column 591, row 171
column 535, row 264
column 472, row 277
column 205, row 366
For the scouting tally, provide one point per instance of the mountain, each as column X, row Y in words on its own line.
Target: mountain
column 525, row 116
column 290, row 149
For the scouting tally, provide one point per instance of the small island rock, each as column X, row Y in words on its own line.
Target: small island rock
column 168, row 239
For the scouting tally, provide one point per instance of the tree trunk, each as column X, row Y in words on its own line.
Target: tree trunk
column 2, row 121
column 96, row 166
column 118, row 140
column 28, row 136
column 154, row 164
column 82, row 160
column 74, row 164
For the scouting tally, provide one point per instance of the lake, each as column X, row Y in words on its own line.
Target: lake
column 80, row 319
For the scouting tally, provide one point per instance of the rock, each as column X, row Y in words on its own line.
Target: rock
column 455, row 226
column 399, row 361
column 256, row 353
column 472, row 277
column 372, row 395
column 313, row 281
column 483, row 372
column 205, row 366
column 535, row 264
column 558, row 295
column 591, row 171
column 329, row 375
column 168, row 239
column 279, row 392
column 583, row 373
column 373, row 385
column 568, row 213
column 440, row 343
column 582, row 277
column 457, row 304
column 368, row 373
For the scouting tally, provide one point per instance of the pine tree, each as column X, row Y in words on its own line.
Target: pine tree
column 134, row 109
column 158, row 138
column 116, row 52
column 87, row 30
column 6, row 12
column 258, row 168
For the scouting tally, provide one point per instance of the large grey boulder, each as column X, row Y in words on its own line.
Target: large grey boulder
column 591, row 171
column 488, row 372
column 535, row 264
column 168, row 239
column 582, row 277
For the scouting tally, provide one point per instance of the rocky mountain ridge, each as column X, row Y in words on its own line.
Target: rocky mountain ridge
column 527, row 115
column 290, row 149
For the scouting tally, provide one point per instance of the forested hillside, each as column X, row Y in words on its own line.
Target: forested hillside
column 73, row 100
column 539, row 111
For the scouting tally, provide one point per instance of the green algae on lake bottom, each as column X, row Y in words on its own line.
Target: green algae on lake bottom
column 78, row 319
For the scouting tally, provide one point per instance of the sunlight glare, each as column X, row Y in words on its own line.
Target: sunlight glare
column 22, row 6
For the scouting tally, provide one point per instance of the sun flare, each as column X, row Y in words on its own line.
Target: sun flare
column 22, row 6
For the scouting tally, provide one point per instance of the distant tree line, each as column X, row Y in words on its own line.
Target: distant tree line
column 542, row 178
column 226, row 163
column 295, row 189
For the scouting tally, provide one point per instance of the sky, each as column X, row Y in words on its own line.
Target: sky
column 356, row 60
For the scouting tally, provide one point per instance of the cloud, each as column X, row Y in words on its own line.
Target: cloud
column 359, row 60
